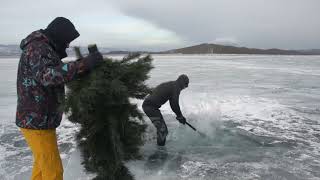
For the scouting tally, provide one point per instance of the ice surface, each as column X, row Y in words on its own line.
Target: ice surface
column 261, row 114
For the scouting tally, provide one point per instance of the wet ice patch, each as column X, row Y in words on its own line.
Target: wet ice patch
column 16, row 157
column 196, row 169
column 270, row 123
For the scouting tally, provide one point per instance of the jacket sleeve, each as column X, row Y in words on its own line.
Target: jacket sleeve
column 48, row 72
column 174, row 101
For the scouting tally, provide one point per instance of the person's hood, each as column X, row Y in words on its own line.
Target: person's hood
column 34, row 36
column 183, row 81
column 61, row 32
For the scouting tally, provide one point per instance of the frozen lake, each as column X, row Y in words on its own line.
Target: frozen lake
column 261, row 114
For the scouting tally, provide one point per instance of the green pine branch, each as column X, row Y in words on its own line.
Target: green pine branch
column 111, row 126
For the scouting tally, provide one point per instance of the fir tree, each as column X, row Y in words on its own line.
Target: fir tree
column 111, row 126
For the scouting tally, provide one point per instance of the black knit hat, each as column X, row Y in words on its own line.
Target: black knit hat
column 61, row 31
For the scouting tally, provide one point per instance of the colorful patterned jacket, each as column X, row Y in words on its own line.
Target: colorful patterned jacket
column 40, row 83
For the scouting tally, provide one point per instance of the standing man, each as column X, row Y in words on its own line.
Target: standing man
column 160, row 95
column 40, row 89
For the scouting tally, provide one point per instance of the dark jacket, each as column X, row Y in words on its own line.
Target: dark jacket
column 40, row 82
column 167, row 91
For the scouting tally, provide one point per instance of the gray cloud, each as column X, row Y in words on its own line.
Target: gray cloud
column 19, row 18
column 290, row 24
column 97, row 21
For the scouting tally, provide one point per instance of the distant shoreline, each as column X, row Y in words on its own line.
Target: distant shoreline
column 10, row 56
column 181, row 54
column 177, row 54
column 9, row 51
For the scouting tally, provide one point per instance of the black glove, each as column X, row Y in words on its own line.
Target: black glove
column 181, row 119
column 93, row 59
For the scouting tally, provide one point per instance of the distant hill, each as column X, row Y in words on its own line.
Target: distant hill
column 311, row 51
column 128, row 52
column 9, row 50
column 84, row 50
column 14, row 50
column 222, row 49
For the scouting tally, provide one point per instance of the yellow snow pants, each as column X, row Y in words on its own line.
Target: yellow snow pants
column 47, row 163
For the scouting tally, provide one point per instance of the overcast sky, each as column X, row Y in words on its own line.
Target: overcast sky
column 165, row 24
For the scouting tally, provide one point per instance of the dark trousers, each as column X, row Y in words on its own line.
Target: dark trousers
column 156, row 118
